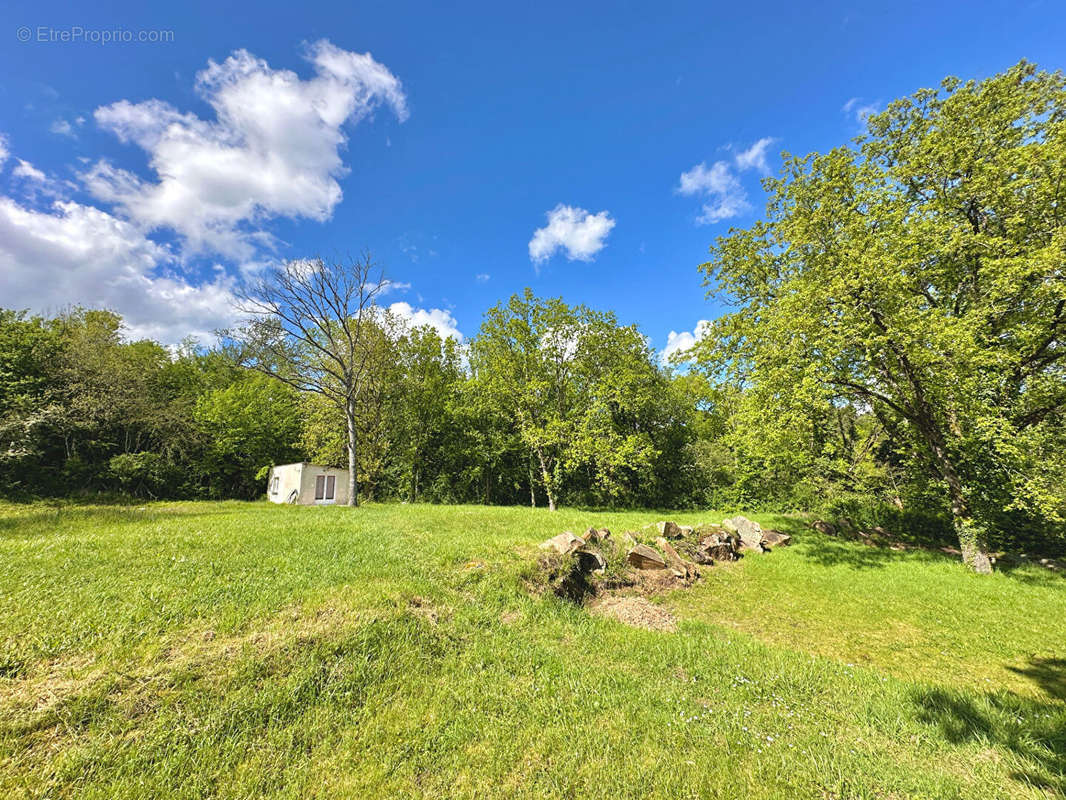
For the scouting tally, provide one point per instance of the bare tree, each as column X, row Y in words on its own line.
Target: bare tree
column 307, row 323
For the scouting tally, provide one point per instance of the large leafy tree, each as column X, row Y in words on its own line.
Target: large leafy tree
column 569, row 380
column 919, row 277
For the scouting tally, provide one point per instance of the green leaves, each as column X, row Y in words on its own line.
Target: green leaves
column 917, row 277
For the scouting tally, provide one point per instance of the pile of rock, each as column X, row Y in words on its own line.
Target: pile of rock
column 661, row 555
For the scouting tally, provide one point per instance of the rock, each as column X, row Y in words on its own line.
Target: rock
column 828, row 528
column 564, row 543
column 626, row 541
column 681, row 567
column 590, row 560
column 671, row 530
column 749, row 533
column 643, row 557
column 772, row 538
column 597, row 535
column 686, row 531
column 717, row 546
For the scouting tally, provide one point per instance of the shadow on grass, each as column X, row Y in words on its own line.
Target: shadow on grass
column 1032, row 732
column 832, row 551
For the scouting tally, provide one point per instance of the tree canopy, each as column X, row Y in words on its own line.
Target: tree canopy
column 919, row 278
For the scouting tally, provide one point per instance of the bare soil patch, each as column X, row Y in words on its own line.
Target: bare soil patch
column 638, row 612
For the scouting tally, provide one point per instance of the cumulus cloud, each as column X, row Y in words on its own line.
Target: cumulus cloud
column 273, row 149
column 440, row 319
column 855, row 107
column 755, row 156
column 726, row 195
column 61, row 127
column 580, row 233
column 75, row 253
column 684, row 341
column 482, row 277
column 26, row 170
column 720, row 183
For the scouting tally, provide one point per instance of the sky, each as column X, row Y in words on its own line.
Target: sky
column 153, row 157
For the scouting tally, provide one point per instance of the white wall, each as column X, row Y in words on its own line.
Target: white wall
column 301, row 479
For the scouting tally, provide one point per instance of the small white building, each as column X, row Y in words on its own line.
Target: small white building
column 307, row 484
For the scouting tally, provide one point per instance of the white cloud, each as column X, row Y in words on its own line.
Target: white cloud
column 755, row 156
column 4, row 151
column 395, row 286
column 720, row 183
column 61, row 127
column 561, row 343
column 438, row 318
column 80, row 254
column 580, row 233
column 482, row 277
column 860, row 110
column 273, row 149
column 26, row 170
column 684, row 341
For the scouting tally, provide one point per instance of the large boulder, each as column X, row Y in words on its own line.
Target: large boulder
column 641, row 556
column 772, row 538
column 749, row 533
column 563, row 544
column 716, row 546
column 828, row 528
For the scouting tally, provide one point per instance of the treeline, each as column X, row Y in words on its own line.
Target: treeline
column 548, row 404
column 579, row 412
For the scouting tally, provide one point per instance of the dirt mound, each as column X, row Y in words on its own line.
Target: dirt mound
column 635, row 611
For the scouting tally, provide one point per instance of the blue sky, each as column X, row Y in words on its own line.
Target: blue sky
column 147, row 176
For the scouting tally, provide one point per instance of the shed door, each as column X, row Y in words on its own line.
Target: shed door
column 331, row 486
column 320, row 487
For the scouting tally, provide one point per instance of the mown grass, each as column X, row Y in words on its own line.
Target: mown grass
column 248, row 650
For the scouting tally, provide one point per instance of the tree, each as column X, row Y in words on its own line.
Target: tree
column 569, row 380
column 250, row 424
column 919, row 277
column 431, row 372
column 310, row 325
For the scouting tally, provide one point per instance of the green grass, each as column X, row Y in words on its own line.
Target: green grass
column 247, row 650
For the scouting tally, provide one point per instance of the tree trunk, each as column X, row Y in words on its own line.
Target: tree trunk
column 548, row 488
column 353, row 482
column 532, row 488
column 974, row 545
column 972, row 538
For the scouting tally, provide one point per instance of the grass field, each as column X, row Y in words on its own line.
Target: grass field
column 245, row 650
